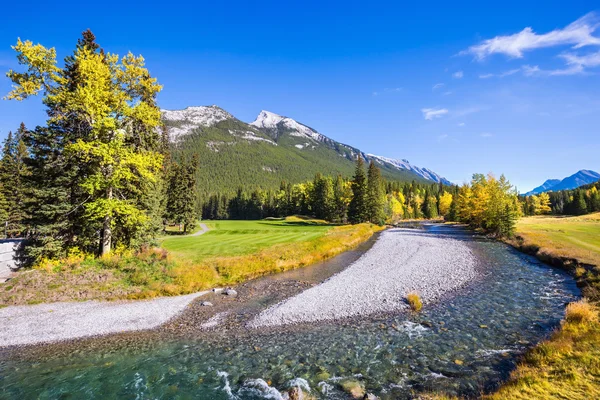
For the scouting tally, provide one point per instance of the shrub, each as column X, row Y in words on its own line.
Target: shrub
column 581, row 312
column 414, row 301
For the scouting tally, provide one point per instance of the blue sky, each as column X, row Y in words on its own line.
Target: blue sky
column 507, row 87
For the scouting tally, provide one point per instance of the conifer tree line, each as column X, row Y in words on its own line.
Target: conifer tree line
column 583, row 200
column 366, row 197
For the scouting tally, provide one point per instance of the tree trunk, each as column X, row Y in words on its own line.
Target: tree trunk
column 106, row 231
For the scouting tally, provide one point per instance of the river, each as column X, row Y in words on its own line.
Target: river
column 464, row 343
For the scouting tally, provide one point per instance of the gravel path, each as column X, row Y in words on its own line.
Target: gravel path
column 400, row 262
column 203, row 230
column 22, row 325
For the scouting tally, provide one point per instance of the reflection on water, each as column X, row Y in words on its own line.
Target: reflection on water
column 464, row 344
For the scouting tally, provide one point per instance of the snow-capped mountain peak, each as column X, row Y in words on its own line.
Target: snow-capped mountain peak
column 193, row 117
column 276, row 123
column 404, row 164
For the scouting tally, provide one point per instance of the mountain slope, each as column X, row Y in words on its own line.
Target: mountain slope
column 544, row 187
column 273, row 148
column 580, row 178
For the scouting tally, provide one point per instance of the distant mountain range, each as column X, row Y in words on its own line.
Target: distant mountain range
column 580, row 178
column 268, row 150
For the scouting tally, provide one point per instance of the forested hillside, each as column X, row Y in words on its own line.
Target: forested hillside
column 233, row 154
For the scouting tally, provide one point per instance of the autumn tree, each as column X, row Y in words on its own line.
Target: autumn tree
column 444, row 204
column 102, row 108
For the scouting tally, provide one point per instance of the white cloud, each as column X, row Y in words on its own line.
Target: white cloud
column 535, row 70
column 578, row 34
column 500, row 75
column 437, row 86
column 486, row 135
column 469, row 110
column 388, row 90
column 447, row 93
column 442, row 137
column 461, row 124
column 589, row 60
column 432, row 113
column 458, row 75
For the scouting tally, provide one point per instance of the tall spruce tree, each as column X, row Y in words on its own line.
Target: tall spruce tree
column 579, row 206
column 357, row 209
column 375, row 197
column 13, row 173
column 322, row 198
column 181, row 200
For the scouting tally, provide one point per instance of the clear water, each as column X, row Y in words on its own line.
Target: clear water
column 465, row 344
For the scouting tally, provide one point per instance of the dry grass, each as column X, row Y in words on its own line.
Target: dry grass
column 414, row 301
column 581, row 312
column 567, row 366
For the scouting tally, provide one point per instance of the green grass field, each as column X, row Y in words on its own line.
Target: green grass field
column 574, row 237
column 232, row 238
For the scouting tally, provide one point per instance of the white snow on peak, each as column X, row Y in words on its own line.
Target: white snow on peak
column 269, row 120
column 202, row 115
column 192, row 117
column 404, row 164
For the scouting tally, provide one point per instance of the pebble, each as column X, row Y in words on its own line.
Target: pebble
column 206, row 304
column 229, row 292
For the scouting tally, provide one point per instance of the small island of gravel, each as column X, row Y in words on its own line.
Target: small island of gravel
column 402, row 261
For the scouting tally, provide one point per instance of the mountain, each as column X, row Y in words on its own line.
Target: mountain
column 268, row 150
column 544, row 187
column 580, row 178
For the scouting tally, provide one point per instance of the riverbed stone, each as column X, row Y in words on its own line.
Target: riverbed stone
column 354, row 388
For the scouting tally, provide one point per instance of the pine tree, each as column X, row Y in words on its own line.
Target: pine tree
column 357, row 209
column 322, row 201
column 375, row 195
column 579, row 206
column 13, row 173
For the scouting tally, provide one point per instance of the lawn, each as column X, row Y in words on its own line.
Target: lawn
column 573, row 237
column 233, row 238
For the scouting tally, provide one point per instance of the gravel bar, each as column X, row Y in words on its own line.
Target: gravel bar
column 401, row 261
column 42, row 323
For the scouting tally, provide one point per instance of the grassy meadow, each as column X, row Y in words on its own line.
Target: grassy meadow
column 229, row 253
column 234, row 238
column 570, row 237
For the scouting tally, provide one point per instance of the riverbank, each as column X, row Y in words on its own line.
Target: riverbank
column 156, row 272
column 564, row 366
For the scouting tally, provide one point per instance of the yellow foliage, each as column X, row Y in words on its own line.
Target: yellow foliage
column 445, row 203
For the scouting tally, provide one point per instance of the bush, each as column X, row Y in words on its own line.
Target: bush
column 414, row 301
column 581, row 312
